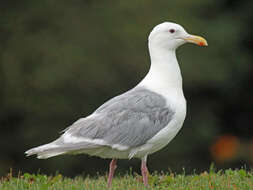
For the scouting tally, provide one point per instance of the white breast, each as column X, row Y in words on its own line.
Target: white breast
column 175, row 100
column 163, row 137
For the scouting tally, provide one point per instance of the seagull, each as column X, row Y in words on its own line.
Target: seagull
column 140, row 121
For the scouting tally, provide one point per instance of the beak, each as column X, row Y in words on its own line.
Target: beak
column 196, row 40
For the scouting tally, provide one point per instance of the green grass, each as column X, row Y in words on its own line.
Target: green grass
column 228, row 179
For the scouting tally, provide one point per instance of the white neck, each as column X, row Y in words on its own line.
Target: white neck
column 164, row 73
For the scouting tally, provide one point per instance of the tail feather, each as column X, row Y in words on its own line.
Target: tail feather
column 45, row 151
column 54, row 149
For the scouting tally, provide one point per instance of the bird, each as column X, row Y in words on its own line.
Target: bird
column 140, row 121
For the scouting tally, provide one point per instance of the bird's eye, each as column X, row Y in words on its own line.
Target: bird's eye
column 172, row 31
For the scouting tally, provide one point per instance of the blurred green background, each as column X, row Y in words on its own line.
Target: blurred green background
column 60, row 60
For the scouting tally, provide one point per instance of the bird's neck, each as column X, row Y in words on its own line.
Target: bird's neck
column 164, row 73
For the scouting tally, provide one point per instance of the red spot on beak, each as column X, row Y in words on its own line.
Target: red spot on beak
column 201, row 44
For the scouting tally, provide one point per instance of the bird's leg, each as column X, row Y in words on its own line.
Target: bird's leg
column 113, row 166
column 144, row 172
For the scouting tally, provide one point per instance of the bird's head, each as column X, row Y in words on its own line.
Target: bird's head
column 169, row 35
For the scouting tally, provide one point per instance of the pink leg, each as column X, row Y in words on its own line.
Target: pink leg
column 113, row 166
column 144, row 172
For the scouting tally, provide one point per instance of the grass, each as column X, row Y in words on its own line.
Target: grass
column 228, row 179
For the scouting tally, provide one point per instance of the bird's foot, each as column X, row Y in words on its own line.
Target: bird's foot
column 144, row 172
column 113, row 166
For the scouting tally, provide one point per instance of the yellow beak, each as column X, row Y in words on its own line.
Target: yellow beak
column 196, row 40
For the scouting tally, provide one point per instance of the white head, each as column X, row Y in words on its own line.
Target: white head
column 169, row 36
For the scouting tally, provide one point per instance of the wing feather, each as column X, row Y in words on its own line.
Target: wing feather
column 129, row 120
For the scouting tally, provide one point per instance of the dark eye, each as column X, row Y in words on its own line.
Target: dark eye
column 172, row 31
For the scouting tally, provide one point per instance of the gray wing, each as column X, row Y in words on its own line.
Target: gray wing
column 130, row 119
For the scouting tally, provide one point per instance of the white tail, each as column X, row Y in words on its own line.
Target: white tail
column 45, row 151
